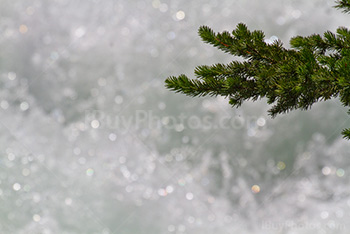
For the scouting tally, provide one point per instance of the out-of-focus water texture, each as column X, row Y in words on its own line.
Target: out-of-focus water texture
column 92, row 142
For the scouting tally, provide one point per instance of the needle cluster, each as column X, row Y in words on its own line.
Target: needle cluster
column 316, row 68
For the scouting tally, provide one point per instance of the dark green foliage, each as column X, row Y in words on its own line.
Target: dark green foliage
column 317, row 68
column 344, row 5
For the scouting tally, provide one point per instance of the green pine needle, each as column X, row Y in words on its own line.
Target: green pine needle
column 316, row 68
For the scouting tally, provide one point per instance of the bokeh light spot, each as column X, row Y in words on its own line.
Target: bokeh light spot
column 180, row 15
column 255, row 188
column 23, row 28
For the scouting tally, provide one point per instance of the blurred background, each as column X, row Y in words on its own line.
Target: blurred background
column 92, row 142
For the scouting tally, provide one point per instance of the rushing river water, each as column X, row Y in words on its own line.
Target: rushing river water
column 92, row 142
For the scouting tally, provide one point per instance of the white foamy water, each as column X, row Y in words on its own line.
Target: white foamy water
column 92, row 142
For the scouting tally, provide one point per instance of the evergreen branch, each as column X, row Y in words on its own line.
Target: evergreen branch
column 193, row 87
column 346, row 133
column 344, row 5
column 242, row 42
column 315, row 69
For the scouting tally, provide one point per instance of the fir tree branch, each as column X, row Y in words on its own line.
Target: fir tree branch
column 317, row 68
column 344, row 5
